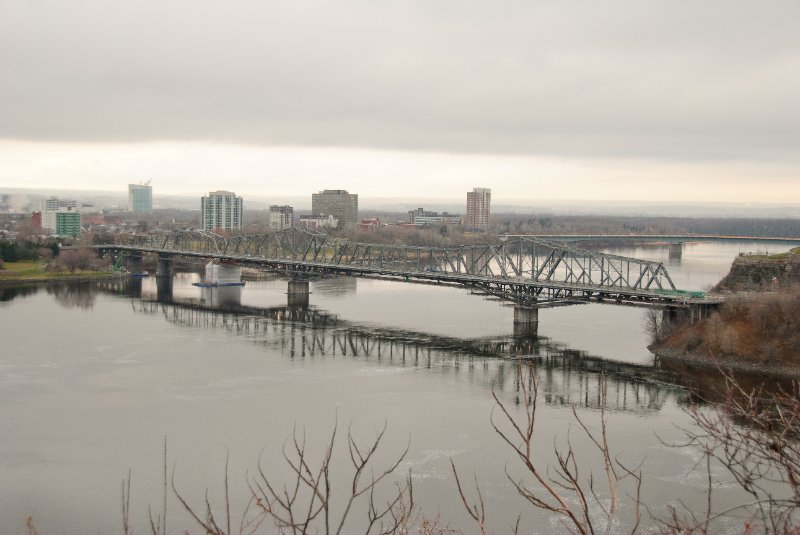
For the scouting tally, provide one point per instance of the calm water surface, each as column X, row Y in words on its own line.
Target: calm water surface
column 92, row 380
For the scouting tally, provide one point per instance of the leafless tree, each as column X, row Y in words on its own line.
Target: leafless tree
column 126, row 505
column 563, row 491
column 654, row 325
column 304, row 503
column 74, row 259
column 30, row 526
column 755, row 435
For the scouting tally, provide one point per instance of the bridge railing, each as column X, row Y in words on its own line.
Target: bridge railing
column 522, row 260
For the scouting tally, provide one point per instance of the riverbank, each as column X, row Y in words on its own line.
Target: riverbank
column 19, row 273
column 669, row 357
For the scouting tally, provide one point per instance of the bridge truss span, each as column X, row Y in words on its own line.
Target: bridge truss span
column 527, row 271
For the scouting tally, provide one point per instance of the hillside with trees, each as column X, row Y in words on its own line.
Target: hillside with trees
column 757, row 326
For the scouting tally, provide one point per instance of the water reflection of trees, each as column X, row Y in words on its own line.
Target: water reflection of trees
column 567, row 377
column 9, row 293
column 74, row 295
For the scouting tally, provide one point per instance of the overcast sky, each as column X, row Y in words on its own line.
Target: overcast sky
column 638, row 99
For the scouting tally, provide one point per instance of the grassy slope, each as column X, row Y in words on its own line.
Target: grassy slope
column 34, row 271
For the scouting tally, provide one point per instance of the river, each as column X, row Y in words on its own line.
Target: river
column 93, row 377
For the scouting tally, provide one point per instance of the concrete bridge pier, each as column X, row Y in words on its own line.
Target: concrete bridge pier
column 164, row 289
column 133, row 262
column 526, row 321
column 164, row 279
column 699, row 312
column 672, row 317
column 298, row 293
column 164, row 269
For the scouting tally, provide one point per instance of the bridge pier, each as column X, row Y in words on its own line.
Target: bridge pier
column 164, row 279
column 526, row 321
column 223, row 273
column 133, row 262
column 673, row 316
column 298, row 293
column 699, row 312
column 164, row 269
column 164, row 288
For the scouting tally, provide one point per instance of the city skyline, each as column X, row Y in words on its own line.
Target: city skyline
column 626, row 102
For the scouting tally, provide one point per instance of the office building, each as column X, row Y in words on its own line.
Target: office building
column 478, row 202
column 422, row 217
column 140, row 198
column 338, row 203
column 221, row 210
column 318, row 222
column 281, row 217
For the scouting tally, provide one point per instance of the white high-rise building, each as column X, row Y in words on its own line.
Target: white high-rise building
column 221, row 210
column 281, row 217
column 54, row 203
column 53, row 206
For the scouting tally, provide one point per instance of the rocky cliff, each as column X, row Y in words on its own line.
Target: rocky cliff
column 761, row 272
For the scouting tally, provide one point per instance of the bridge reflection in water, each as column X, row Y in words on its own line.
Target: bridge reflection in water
column 566, row 376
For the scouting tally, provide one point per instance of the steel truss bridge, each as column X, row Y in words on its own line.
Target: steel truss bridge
column 526, row 271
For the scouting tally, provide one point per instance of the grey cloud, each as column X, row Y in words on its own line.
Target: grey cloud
column 630, row 78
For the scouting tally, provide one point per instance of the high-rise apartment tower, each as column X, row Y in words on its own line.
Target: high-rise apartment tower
column 478, row 202
column 68, row 222
column 221, row 210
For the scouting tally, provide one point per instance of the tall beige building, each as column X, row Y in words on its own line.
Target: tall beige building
column 478, row 202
